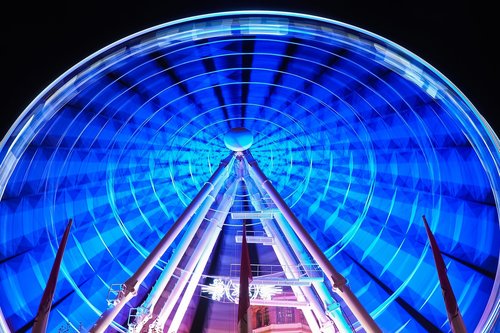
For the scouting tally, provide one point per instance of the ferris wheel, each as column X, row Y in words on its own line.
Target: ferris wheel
column 358, row 136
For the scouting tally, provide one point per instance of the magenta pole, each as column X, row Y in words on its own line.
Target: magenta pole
column 454, row 316
column 42, row 316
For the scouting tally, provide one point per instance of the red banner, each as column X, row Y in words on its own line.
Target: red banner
column 245, row 279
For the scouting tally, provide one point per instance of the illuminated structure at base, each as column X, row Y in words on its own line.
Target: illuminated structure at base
column 294, row 250
column 358, row 137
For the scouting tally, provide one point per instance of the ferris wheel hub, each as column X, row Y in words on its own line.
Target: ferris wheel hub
column 238, row 139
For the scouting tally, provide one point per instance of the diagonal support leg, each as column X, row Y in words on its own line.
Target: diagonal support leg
column 329, row 309
column 285, row 257
column 338, row 281
column 164, row 278
column 196, row 264
column 130, row 287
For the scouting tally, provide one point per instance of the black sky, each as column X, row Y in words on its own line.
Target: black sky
column 41, row 41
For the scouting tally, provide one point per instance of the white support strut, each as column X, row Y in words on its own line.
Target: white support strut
column 338, row 281
column 129, row 288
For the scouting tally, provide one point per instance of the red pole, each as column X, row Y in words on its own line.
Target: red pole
column 454, row 316
column 42, row 316
column 245, row 279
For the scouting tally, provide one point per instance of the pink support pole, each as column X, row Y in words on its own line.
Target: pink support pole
column 454, row 316
column 42, row 317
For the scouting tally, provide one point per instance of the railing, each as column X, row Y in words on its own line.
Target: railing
column 114, row 293
column 264, row 270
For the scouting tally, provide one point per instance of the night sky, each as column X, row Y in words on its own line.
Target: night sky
column 40, row 42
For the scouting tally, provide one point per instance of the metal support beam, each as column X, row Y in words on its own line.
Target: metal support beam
column 314, row 314
column 338, row 281
column 42, row 316
column 130, row 287
column 263, row 240
column 3, row 323
column 282, row 303
column 320, row 287
column 453, row 312
column 162, row 281
column 288, row 281
column 196, row 264
column 296, row 246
